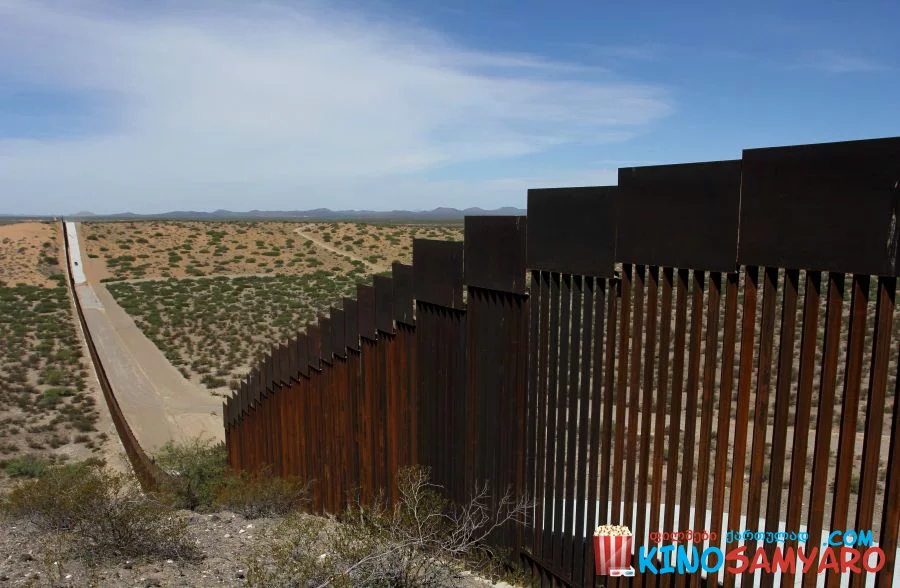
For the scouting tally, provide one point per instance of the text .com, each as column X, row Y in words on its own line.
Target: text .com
column 842, row 551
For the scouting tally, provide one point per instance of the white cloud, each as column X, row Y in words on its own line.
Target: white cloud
column 268, row 106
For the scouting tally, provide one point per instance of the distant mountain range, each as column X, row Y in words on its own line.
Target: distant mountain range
column 441, row 213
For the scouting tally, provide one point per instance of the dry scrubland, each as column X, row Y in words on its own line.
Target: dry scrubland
column 214, row 296
column 84, row 525
column 172, row 249
column 47, row 406
column 212, row 329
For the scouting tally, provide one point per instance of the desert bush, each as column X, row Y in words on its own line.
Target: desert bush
column 423, row 540
column 261, row 494
column 99, row 513
column 196, row 471
column 28, row 466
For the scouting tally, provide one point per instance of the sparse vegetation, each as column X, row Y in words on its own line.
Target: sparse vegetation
column 162, row 249
column 214, row 328
column 47, row 411
column 199, row 479
column 422, row 541
column 97, row 514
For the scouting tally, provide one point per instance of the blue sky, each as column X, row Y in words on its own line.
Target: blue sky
column 146, row 107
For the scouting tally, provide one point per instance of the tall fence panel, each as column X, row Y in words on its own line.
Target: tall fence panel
column 707, row 347
column 441, row 363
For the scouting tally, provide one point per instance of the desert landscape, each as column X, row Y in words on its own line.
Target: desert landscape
column 214, row 296
column 50, row 408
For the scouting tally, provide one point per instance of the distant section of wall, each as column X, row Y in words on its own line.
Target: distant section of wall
column 73, row 250
column 147, row 472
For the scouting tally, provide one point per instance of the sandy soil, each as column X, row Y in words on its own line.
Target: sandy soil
column 22, row 248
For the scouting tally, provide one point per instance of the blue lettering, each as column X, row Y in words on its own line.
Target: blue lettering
column 720, row 559
column 666, row 554
column 849, row 538
column 865, row 538
column 831, row 537
column 645, row 560
column 686, row 564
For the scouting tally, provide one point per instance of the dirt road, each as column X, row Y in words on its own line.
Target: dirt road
column 372, row 267
column 158, row 402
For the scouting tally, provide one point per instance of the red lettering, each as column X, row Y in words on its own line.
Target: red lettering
column 879, row 564
column 807, row 561
column 738, row 555
column 784, row 561
column 825, row 564
column 760, row 561
column 849, row 564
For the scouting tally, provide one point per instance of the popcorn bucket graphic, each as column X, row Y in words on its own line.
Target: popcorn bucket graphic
column 612, row 551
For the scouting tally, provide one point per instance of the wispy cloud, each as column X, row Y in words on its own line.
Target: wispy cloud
column 265, row 105
column 836, row 62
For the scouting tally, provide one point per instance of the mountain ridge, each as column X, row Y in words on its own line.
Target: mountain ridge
column 439, row 213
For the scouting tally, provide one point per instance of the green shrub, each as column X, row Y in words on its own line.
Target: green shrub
column 28, row 466
column 196, row 471
column 261, row 494
column 100, row 514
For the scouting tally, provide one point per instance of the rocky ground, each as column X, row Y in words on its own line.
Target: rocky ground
column 224, row 541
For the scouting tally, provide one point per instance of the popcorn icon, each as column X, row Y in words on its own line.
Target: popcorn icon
column 612, row 551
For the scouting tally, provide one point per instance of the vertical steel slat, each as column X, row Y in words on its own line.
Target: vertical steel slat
column 662, row 391
column 559, row 496
column 634, row 399
column 782, row 405
column 531, row 450
column 849, row 409
column 582, row 537
column 544, row 423
column 553, row 355
column 824, row 418
column 742, row 410
column 541, row 400
column 521, row 311
column 618, row 516
column 723, row 426
column 763, row 388
column 387, row 344
column 706, row 407
column 809, row 331
column 596, row 391
column 571, row 426
column 875, row 409
column 609, row 392
column 690, row 418
column 675, row 408
column 646, row 414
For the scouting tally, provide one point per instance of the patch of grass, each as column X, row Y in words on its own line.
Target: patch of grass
column 28, row 466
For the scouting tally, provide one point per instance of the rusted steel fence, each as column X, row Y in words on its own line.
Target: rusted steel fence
column 704, row 347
